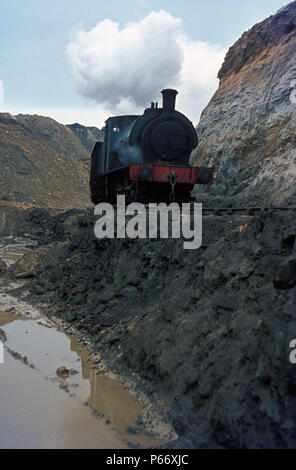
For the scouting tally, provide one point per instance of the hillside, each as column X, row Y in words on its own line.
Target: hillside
column 37, row 164
column 88, row 136
column 247, row 131
column 74, row 140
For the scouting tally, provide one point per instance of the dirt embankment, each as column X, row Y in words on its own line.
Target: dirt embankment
column 205, row 333
column 44, row 163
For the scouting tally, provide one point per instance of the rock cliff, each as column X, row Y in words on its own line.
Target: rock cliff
column 247, row 131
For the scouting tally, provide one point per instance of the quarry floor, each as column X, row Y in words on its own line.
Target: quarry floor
column 201, row 337
column 53, row 395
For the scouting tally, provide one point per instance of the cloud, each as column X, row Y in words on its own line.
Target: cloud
column 124, row 69
column 198, row 75
column 110, row 64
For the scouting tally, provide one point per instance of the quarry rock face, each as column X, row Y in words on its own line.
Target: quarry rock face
column 247, row 131
column 37, row 166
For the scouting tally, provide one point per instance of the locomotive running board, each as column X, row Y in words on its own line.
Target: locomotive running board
column 161, row 173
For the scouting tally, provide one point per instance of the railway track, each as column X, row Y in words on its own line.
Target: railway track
column 246, row 210
column 219, row 211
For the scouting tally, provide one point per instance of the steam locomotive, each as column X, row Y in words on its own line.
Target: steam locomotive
column 146, row 158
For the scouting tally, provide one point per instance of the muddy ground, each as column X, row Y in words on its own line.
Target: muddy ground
column 204, row 333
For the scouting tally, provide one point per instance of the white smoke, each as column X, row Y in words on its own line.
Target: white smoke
column 198, row 75
column 125, row 69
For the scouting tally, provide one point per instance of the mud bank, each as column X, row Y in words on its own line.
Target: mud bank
column 36, row 410
column 204, row 334
column 53, row 395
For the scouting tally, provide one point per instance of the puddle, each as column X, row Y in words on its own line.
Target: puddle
column 11, row 250
column 35, row 414
column 51, row 396
column 6, row 318
column 46, row 350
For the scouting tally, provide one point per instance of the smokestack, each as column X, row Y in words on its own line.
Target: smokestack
column 169, row 100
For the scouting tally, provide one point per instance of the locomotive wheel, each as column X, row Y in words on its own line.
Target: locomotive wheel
column 139, row 192
column 120, row 184
column 96, row 183
column 157, row 192
column 183, row 193
column 133, row 193
column 97, row 190
column 160, row 192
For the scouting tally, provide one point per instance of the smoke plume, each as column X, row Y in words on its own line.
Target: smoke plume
column 124, row 69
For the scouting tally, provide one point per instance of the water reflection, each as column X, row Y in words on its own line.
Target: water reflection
column 109, row 398
column 48, row 349
column 6, row 318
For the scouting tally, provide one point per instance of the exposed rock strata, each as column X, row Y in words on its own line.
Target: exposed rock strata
column 248, row 129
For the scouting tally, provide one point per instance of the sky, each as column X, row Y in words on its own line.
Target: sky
column 85, row 60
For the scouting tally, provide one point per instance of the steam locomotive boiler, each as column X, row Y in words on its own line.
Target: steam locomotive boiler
column 146, row 157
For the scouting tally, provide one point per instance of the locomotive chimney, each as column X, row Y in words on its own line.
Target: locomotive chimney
column 169, row 100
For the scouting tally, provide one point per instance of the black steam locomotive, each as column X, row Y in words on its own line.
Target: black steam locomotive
column 146, row 157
